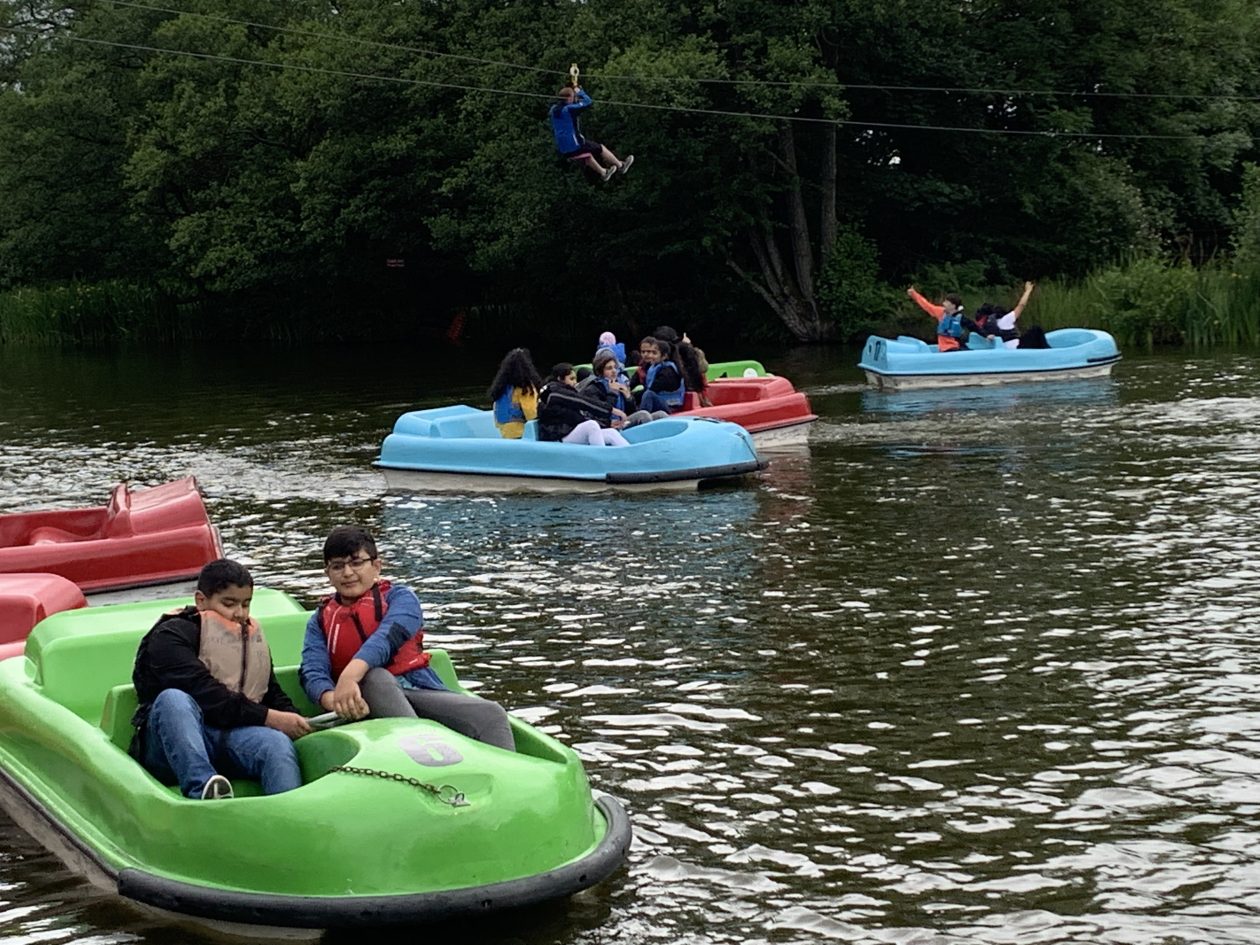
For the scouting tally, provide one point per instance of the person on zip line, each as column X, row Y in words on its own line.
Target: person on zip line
column 571, row 144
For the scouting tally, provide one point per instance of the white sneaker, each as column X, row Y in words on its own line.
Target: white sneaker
column 216, row 789
column 609, row 173
column 625, row 165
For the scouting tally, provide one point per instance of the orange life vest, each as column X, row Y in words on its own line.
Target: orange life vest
column 346, row 628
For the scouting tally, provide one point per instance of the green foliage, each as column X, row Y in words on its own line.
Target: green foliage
column 850, row 290
column 298, row 147
column 1247, row 218
column 1146, row 301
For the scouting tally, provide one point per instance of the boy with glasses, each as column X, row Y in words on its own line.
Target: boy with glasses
column 362, row 655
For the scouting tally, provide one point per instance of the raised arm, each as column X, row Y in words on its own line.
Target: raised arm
column 1023, row 300
column 936, row 311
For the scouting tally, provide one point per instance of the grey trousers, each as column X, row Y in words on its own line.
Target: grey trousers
column 643, row 416
column 469, row 715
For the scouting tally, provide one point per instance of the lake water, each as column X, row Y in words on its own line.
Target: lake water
column 976, row 667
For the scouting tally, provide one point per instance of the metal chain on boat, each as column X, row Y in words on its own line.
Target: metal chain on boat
column 444, row 793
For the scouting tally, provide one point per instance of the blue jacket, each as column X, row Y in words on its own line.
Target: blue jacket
column 506, row 411
column 672, row 396
column 564, row 123
column 402, row 619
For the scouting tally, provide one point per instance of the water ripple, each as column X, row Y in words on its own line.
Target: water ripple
column 977, row 667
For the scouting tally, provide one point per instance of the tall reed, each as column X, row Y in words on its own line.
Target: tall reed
column 1146, row 303
column 88, row 314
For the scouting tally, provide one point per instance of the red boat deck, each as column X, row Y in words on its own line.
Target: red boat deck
column 152, row 536
column 757, row 404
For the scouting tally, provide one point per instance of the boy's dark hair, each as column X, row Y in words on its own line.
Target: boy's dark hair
column 955, row 298
column 222, row 574
column 344, row 540
column 560, row 371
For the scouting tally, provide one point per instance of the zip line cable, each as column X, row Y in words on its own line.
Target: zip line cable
column 854, row 123
column 837, row 85
column 339, row 37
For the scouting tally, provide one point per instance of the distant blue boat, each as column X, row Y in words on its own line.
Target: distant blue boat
column 458, row 448
column 909, row 363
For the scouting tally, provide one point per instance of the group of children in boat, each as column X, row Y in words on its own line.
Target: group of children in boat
column 993, row 321
column 593, row 409
column 210, row 706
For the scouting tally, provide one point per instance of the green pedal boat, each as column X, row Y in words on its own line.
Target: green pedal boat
column 398, row 821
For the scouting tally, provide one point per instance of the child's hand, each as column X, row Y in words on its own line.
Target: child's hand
column 292, row 724
column 347, row 699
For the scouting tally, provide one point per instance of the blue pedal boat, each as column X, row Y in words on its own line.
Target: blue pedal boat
column 458, row 448
column 910, row 364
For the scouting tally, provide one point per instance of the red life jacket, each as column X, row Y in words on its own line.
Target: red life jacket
column 347, row 626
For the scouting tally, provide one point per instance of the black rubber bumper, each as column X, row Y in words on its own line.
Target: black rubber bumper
column 681, row 475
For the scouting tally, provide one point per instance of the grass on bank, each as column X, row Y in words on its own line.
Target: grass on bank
column 1148, row 304
column 90, row 315
column 1144, row 303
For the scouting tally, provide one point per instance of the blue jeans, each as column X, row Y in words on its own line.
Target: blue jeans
column 651, row 401
column 180, row 747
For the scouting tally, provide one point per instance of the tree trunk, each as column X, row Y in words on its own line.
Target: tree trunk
column 827, row 210
column 802, row 248
column 790, row 293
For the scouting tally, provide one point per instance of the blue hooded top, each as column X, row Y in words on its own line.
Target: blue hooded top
column 564, row 123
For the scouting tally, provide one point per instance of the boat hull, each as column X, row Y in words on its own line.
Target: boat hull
column 458, row 448
column 911, row 364
column 407, row 480
column 240, row 910
column 364, row 842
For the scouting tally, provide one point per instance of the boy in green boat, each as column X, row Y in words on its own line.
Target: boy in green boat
column 209, row 700
column 362, row 653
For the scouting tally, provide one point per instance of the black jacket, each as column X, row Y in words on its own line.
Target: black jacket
column 168, row 659
column 561, row 408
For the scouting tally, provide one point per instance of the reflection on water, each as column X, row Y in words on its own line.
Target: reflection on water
column 981, row 673
column 999, row 400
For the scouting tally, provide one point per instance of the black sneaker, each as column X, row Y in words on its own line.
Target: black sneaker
column 216, row 789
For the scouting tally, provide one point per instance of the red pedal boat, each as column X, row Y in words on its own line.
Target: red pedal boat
column 25, row 600
column 155, row 538
column 770, row 408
